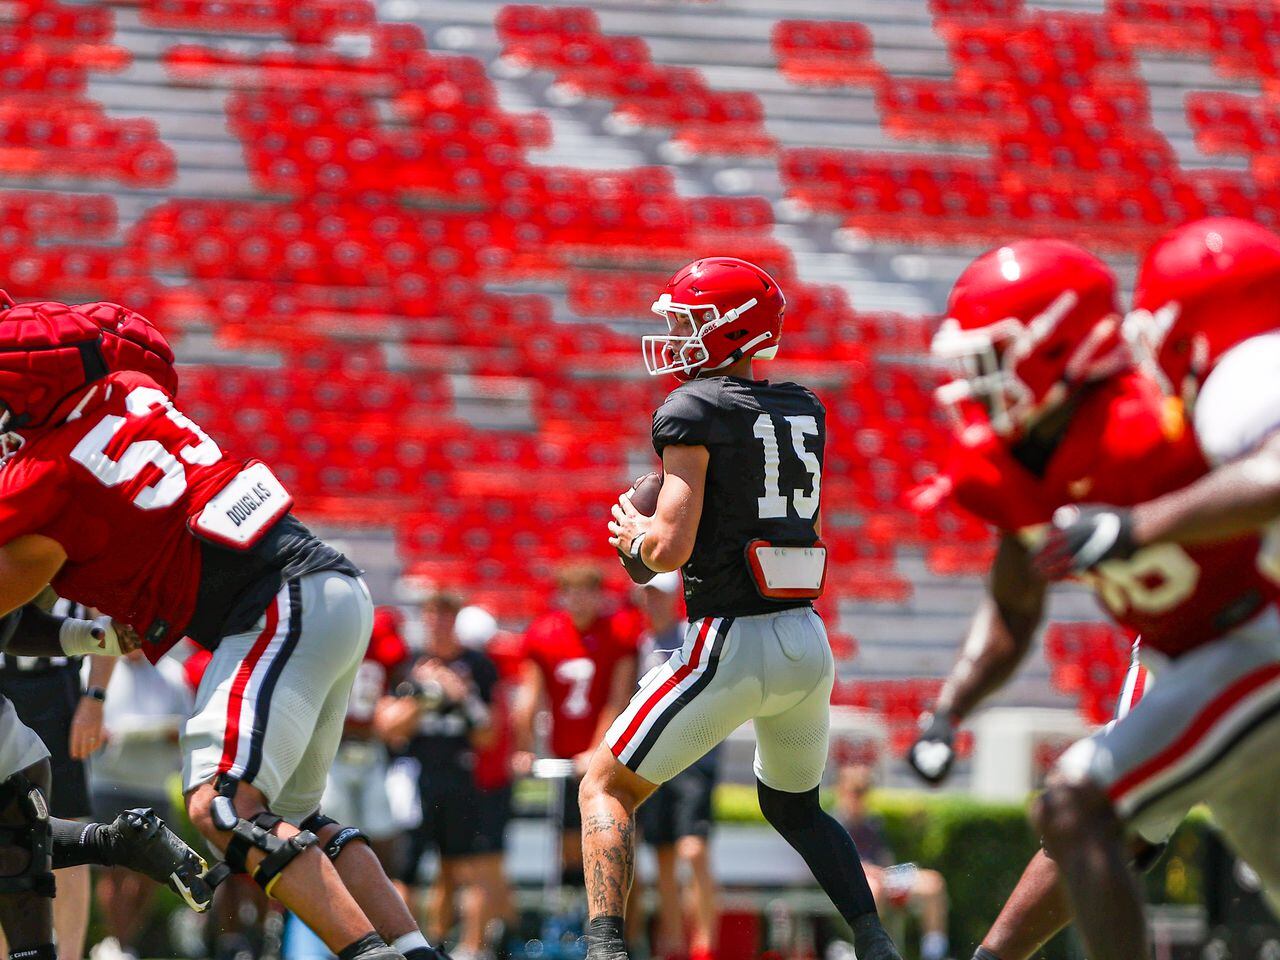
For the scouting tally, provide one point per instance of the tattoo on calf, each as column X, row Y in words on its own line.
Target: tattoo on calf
column 608, row 846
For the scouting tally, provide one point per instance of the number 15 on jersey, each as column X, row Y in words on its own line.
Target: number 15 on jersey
column 774, row 503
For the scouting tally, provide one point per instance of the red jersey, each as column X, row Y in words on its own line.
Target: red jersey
column 121, row 486
column 493, row 763
column 1125, row 444
column 577, row 669
column 387, row 652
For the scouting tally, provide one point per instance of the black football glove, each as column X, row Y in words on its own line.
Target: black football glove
column 934, row 751
column 1080, row 538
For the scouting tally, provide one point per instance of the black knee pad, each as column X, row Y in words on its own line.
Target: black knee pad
column 318, row 821
column 788, row 811
column 255, row 833
column 24, row 826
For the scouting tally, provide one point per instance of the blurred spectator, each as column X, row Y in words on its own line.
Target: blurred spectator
column 442, row 719
column 893, row 886
column 476, row 629
column 145, row 708
column 356, row 792
column 50, row 698
column 582, row 661
column 676, row 820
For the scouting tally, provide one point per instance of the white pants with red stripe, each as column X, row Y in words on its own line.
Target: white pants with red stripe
column 20, row 746
column 775, row 669
column 272, row 703
column 1207, row 730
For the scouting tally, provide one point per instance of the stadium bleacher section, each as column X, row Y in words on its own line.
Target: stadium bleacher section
column 412, row 244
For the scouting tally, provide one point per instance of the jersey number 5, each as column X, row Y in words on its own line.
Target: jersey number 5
column 91, row 452
column 773, row 504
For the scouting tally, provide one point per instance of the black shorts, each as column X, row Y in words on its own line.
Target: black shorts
column 46, row 700
column 494, row 813
column 450, row 822
column 681, row 807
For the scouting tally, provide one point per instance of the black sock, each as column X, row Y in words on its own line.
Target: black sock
column 870, row 941
column 605, row 937
column 77, row 843
column 826, row 847
column 982, row 953
column 45, row 951
column 369, row 942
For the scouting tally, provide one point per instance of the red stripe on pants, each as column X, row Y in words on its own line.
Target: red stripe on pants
column 1200, row 725
column 235, row 701
column 670, row 684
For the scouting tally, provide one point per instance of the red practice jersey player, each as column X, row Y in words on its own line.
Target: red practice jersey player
column 124, row 504
column 581, row 661
column 1050, row 409
column 1208, row 326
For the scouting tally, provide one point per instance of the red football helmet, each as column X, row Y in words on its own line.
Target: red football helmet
column 48, row 352
column 1203, row 288
column 718, row 310
column 1026, row 324
column 131, row 342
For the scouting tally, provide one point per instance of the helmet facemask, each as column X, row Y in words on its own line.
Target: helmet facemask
column 984, row 373
column 685, row 354
column 1145, row 332
column 987, row 359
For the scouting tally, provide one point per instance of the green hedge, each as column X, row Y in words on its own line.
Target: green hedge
column 981, row 849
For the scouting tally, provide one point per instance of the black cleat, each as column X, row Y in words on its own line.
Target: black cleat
column 141, row 841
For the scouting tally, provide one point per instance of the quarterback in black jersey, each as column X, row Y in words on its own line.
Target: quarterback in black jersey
column 738, row 514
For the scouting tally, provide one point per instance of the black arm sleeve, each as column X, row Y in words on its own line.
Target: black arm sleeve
column 686, row 417
column 8, row 625
column 35, row 634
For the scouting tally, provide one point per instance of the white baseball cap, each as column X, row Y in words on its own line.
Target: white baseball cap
column 474, row 627
column 668, row 582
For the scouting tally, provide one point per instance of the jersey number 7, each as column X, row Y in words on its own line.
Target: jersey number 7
column 773, row 504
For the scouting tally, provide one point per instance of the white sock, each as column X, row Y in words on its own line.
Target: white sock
column 410, row 941
column 933, row 946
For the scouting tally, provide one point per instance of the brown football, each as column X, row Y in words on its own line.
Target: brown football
column 644, row 497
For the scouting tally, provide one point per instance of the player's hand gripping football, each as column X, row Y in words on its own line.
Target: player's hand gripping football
column 934, row 751
column 1080, row 538
column 628, row 527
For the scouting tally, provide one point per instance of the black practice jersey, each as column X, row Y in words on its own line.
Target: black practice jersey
column 764, row 479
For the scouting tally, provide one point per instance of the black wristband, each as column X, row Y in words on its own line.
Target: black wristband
column 95, row 693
